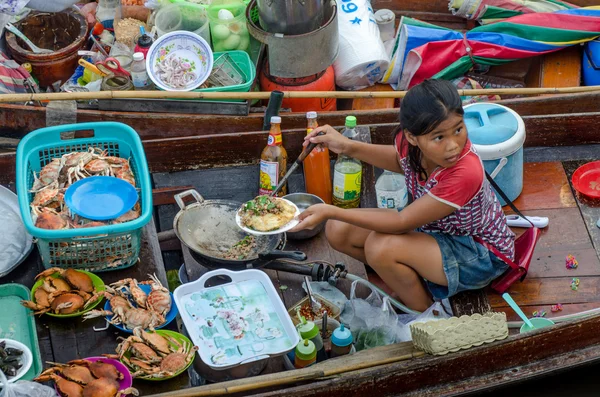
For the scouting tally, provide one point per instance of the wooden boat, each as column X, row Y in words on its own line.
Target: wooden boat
column 562, row 125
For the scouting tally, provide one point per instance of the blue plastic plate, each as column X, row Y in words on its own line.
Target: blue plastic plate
column 146, row 288
column 101, row 198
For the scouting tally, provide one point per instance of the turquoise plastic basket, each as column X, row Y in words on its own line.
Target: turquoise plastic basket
column 95, row 249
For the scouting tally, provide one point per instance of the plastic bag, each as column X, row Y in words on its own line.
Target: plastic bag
column 372, row 321
column 24, row 388
column 51, row 6
column 434, row 312
column 328, row 291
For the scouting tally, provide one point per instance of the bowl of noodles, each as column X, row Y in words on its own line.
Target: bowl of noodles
column 179, row 61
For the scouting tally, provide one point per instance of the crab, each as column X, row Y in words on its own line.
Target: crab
column 83, row 378
column 47, row 218
column 152, row 355
column 49, row 174
column 159, row 299
column 65, row 387
column 129, row 317
column 76, row 279
column 105, row 387
column 130, row 286
column 98, row 166
column 61, row 302
column 49, row 196
column 74, row 373
column 99, row 369
column 53, row 284
column 129, row 215
column 126, row 175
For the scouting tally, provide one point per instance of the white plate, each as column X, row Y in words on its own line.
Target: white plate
column 187, row 46
column 15, row 243
column 290, row 225
column 26, row 358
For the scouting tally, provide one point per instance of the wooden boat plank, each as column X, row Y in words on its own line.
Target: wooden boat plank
column 545, row 186
column 590, row 209
column 550, row 291
column 568, row 308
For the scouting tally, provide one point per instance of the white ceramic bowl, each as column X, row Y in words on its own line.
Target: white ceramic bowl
column 190, row 48
column 26, row 359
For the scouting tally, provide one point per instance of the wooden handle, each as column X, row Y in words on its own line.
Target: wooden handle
column 308, row 149
column 66, row 96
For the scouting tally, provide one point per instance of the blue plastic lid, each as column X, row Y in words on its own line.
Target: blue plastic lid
column 101, row 198
column 341, row 336
column 490, row 124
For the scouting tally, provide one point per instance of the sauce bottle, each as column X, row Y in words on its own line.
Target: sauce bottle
column 273, row 161
column 309, row 330
column 144, row 43
column 347, row 175
column 305, row 354
column 317, row 166
column 341, row 341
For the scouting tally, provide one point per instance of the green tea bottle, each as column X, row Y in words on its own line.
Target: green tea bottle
column 347, row 175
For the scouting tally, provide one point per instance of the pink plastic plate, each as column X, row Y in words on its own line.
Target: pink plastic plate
column 127, row 380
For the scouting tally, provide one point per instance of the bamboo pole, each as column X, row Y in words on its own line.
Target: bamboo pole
column 283, row 379
column 64, row 96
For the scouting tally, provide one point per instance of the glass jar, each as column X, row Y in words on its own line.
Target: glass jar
column 116, row 83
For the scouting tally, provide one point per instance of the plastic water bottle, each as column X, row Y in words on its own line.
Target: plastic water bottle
column 391, row 191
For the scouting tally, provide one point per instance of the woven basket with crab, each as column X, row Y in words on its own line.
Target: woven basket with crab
column 49, row 160
column 156, row 355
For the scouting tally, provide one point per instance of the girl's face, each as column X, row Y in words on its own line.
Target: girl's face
column 442, row 146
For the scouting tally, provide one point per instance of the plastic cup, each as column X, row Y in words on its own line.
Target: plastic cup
column 538, row 322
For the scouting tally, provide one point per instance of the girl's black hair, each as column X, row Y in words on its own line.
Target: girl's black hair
column 425, row 107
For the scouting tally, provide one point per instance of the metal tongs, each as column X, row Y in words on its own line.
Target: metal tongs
column 295, row 165
column 315, row 305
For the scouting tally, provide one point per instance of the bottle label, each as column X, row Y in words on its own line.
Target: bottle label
column 274, row 140
column 140, row 79
column 393, row 200
column 269, row 176
column 346, row 187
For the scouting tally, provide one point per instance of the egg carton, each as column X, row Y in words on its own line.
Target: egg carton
column 453, row 334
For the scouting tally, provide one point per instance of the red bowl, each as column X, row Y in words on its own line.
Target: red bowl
column 124, row 383
column 586, row 179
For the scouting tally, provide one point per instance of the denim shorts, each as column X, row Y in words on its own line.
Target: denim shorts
column 467, row 264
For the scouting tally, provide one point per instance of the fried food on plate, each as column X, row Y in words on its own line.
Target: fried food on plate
column 265, row 214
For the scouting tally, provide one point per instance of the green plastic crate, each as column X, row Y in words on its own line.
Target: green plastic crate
column 245, row 65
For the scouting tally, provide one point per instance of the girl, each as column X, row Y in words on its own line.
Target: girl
column 433, row 237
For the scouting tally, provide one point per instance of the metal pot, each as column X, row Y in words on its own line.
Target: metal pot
column 303, row 201
column 209, row 230
column 290, row 16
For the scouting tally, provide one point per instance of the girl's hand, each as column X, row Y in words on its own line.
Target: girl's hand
column 332, row 139
column 313, row 216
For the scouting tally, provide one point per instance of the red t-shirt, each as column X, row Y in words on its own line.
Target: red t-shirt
column 464, row 187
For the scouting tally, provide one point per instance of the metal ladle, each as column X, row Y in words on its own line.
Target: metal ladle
column 35, row 49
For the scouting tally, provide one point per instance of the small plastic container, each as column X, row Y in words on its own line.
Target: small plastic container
column 144, row 42
column 309, row 330
column 333, row 313
column 391, row 191
column 139, row 75
column 182, row 16
column 305, row 354
column 386, row 21
column 228, row 26
column 341, row 341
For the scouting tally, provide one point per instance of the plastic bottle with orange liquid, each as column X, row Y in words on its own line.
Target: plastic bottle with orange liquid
column 317, row 166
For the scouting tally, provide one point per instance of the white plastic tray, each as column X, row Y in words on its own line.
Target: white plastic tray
column 237, row 322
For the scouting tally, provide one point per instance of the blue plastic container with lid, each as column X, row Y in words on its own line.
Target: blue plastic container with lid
column 591, row 63
column 498, row 135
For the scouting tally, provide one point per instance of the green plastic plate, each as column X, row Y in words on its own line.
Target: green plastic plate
column 180, row 339
column 98, row 285
column 16, row 322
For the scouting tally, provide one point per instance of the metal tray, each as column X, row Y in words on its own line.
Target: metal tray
column 17, row 322
column 10, row 203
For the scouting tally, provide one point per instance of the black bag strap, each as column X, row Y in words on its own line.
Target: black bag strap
column 505, row 198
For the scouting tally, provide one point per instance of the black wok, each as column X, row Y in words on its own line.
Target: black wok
column 209, row 230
